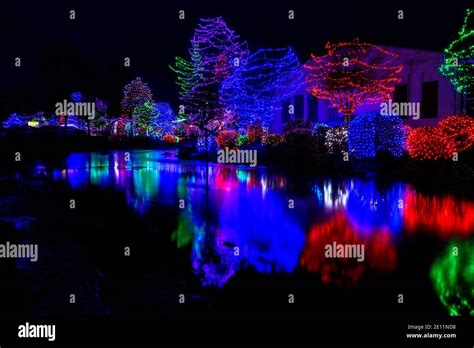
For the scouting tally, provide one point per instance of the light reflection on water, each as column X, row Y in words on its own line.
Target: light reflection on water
column 256, row 218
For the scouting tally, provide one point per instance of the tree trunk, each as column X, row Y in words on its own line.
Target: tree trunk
column 347, row 119
column 207, row 184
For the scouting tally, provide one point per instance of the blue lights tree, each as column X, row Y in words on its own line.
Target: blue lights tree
column 163, row 119
column 256, row 88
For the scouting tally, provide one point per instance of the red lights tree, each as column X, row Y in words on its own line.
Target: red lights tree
column 352, row 73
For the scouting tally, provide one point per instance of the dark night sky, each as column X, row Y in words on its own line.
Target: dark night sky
column 91, row 48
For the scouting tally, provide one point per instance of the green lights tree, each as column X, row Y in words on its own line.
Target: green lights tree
column 144, row 115
column 458, row 63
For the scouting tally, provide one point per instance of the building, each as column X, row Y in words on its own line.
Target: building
column 421, row 83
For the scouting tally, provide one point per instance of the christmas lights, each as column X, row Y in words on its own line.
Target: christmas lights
column 135, row 94
column 144, row 115
column 452, row 135
column 164, row 119
column 227, row 138
column 188, row 77
column 101, row 119
column 336, row 139
column 15, row 121
column 272, row 139
column 459, row 130
column 458, row 63
column 256, row 88
column 443, row 216
column 371, row 132
column 242, row 139
column 215, row 51
column 77, row 97
column 428, row 143
column 352, row 73
column 453, row 278
column 380, row 251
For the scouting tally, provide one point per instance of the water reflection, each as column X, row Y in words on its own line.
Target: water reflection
column 379, row 250
column 247, row 220
column 444, row 216
column 452, row 275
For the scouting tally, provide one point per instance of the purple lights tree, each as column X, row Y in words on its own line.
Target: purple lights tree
column 215, row 51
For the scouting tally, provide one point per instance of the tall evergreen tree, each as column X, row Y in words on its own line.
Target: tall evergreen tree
column 257, row 88
column 215, row 51
column 135, row 94
column 458, row 64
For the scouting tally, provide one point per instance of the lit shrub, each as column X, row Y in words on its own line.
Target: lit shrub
column 182, row 129
column 193, row 131
column 428, row 143
column 118, row 127
column 319, row 131
column 243, row 139
column 14, row 121
column 170, row 139
column 371, row 132
column 459, row 130
column 255, row 132
column 272, row 140
column 227, row 138
column 336, row 139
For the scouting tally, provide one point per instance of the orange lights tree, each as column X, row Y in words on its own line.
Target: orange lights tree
column 352, row 73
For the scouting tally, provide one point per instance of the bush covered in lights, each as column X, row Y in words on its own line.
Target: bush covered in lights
column 227, row 138
column 272, row 140
column 453, row 134
column 320, row 128
column 319, row 132
column 170, row 139
column 336, row 139
column 255, row 132
column 428, row 143
column 459, row 130
column 243, row 139
column 370, row 133
column 14, row 121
